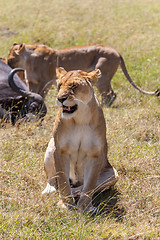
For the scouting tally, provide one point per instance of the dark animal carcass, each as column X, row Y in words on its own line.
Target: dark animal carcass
column 16, row 101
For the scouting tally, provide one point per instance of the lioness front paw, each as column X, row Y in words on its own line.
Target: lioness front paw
column 85, row 204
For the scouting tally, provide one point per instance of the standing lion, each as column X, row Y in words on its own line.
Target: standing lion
column 40, row 63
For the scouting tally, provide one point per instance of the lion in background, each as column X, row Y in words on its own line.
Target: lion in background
column 77, row 153
column 40, row 63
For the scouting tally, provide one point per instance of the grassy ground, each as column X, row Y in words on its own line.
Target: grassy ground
column 132, row 209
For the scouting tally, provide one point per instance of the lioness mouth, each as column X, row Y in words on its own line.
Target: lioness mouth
column 69, row 109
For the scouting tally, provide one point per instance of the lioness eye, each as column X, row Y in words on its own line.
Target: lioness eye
column 74, row 86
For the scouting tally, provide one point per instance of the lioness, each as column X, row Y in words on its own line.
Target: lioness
column 40, row 63
column 77, row 153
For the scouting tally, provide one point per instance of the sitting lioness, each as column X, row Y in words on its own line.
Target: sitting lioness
column 40, row 63
column 77, row 154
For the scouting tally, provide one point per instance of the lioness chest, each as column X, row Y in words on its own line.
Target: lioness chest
column 78, row 144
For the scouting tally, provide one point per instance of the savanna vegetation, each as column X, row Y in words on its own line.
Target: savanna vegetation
column 131, row 210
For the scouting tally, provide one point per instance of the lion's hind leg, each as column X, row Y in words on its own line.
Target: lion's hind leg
column 107, row 178
column 49, row 167
column 108, row 69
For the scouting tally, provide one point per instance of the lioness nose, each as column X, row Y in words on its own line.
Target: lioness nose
column 62, row 99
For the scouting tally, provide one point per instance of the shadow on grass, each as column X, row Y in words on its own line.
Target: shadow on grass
column 107, row 204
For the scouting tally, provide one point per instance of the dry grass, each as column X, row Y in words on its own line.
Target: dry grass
column 130, row 210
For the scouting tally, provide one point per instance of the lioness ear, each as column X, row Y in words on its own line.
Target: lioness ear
column 22, row 47
column 60, row 72
column 14, row 44
column 93, row 76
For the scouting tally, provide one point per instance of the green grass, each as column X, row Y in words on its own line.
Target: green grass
column 131, row 209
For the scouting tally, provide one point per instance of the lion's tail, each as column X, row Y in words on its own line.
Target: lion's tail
column 124, row 69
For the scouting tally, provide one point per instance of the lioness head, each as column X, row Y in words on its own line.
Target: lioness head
column 14, row 58
column 74, row 90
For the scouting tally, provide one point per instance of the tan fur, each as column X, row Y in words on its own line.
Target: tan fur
column 40, row 63
column 3, row 59
column 78, row 149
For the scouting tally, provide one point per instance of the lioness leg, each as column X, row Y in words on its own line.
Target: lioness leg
column 104, row 82
column 62, row 166
column 107, row 94
column 107, row 178
column 91, row 173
